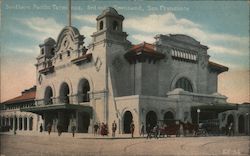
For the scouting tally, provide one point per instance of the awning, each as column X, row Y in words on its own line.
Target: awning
column 56, row 107
column 218, row 108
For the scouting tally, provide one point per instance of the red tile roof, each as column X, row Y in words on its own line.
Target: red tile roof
column 28, row 95
column 145, row 47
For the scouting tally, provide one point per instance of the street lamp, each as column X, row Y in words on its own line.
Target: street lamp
column 247, row 123
column 198, row 115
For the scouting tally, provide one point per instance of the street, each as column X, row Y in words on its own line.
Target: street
column 19, row 145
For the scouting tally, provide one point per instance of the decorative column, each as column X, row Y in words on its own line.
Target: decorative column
column 28, row 123
column 23, row 124
column 14, row 124
column 18, row 124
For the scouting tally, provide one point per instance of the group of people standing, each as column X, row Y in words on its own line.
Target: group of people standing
column 102, row 129
column 59, row 129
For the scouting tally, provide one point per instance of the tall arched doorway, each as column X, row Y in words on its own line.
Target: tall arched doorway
column 48, row 96
column 83, row 89
column 127, row 119
column 241, row 124
column 151, row 118
column 84, row 122
column 230, row 119
column 168, row 117
column 64, row 93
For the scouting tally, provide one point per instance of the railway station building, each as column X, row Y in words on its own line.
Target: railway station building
column 112, row 79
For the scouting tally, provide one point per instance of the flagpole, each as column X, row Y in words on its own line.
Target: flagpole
column 69, row 12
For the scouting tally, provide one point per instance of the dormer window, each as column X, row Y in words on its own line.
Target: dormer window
column 115, row 25
column 101, row 25
column 60, row 56
column 68, row 53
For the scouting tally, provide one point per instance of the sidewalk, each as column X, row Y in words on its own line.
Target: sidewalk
column 69, row 135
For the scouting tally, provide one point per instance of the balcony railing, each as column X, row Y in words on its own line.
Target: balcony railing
column 47, row 68
column 73, row 99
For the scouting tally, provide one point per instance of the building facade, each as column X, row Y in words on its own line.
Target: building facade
column 12, row 119
column 112, row 79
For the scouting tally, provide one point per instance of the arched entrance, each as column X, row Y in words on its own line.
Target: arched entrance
column 48, row 96
column 64, row 93
column 151, row 118
column 83, row 89
column 84, row 122
column 25, row 123
column 127, row 119
column 230, row 119
column 31, row 123
column 168, row 117
column 20, row 123
column 241, row 124
column 15, row 125
column 11, row 122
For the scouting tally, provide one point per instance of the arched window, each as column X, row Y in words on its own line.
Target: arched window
column 64, row 93
column 115, row 25
column 48, row 96
column 185, row 84
column 101, row 25
column 83, row 89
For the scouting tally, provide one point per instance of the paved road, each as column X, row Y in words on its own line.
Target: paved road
column 65, row 146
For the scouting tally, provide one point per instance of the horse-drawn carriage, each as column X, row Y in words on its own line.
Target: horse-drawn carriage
column 177, row 128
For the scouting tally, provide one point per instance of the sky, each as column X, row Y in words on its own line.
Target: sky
column 223, row 26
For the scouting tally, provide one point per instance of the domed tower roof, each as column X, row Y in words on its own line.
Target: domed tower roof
column 49, row 41
column 110, row 12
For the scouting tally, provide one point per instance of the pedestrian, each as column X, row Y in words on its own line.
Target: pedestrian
column 49, row 126
column 156, row 131
column 102, row 129
column 148, row 130
column 230, row 129
column 114, row 127
column 132, row 128
column 142, row 129
column 59, row 129
column 41, row 128
column 96, row 127
column 99, row 128
column 73, row 129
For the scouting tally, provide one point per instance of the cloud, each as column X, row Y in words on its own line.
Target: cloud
column 23, row 49
column 224, row 50
column 87, row 32
column 39, row 28
column 168, row 23
column 141, row 38
column 86, row 18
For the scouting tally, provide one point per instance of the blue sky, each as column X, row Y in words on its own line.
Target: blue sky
column 222, row 26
